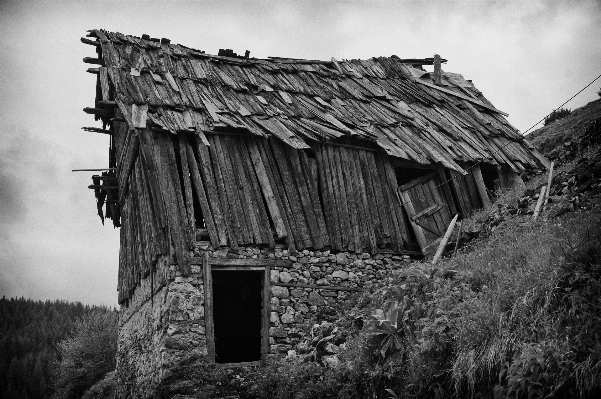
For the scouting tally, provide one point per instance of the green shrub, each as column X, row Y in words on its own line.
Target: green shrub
column 557, row 114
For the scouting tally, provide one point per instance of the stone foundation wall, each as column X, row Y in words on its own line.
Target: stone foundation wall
column 164, row 321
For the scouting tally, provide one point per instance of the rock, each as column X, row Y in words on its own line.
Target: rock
column 274, row 318
column 275, row 276
column 279, row 292
column 298, row 293
column 291, row 353
column 322, row 281
column 331, row 361
column 288, row 317
column 341, row 258
column 316, row 299
column 285, row 277
column 277, row 332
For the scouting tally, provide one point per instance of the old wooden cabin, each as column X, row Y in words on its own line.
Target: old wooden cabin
column 256, row 196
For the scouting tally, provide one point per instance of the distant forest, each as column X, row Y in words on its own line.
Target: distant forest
column 29, row 334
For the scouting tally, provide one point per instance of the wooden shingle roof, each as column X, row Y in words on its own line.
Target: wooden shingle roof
column 381, row 100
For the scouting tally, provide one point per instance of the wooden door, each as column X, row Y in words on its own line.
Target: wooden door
column 428, row 213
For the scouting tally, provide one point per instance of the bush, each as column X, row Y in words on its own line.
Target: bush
column 104, row 389
column 557, row 114
column 88, row 355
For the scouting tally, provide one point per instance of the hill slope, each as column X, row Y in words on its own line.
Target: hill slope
column 560, row 136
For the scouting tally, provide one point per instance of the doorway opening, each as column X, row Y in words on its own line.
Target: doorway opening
column 237, row 315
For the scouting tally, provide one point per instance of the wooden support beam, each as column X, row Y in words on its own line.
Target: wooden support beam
column 437, row 70
column 549, row 183
column 208, row 299
column 90, row 42
column 244, row 262
column 98, row 186
column 445, row 240
column 92, row 60
column 98, row 111
column 95, row 71
column 539, row 203
column 97, row 130
column 477, row 172
column 93, row 170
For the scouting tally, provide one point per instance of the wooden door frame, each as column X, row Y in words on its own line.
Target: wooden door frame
column 264, row 265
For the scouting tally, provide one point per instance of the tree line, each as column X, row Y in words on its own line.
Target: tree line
column 36, row 337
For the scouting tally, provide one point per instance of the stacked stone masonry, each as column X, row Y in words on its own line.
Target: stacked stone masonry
column 165, row 322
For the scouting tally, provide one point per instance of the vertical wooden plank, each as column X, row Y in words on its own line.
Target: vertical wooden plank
column 300, row 179
column 189, row 203
column 342, row 199
column 239, row 218
column 280, row 193
column 213, row 193
column 302, row 231
column 201, row 195
column 226, row 205
column 208, row 302
column 309, row 167
column 265, row 314
column 376, row 206
column 256, row 197
column 460, row 191
column 472, row 191
column 400, row 224
column 170, row 188
column 327, row 192
column 480, row 186
column 249, row 212
column 354, row 233
column 277, row 216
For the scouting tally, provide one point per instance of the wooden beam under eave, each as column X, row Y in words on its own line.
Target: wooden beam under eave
column 98, row 111
column 97, row 130
column 94, row 71
column 92, row 60
column 90, row 42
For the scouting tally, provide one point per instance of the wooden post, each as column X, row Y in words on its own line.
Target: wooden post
column 208, row 288
column 549, row 183
column 265, row 315
column 458, row 238
column 481, row 187
column 437, row 70
column 445, row 240
column 539, row 202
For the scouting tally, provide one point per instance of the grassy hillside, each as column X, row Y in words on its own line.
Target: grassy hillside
column 555, row 137
column 515, row 315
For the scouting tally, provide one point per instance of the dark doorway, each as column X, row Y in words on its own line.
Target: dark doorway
column 237, row 315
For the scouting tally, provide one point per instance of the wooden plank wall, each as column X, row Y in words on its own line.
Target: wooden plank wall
column 360, row 201
column 249, row 191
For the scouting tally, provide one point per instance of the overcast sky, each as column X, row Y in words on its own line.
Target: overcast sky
column 527, row 57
